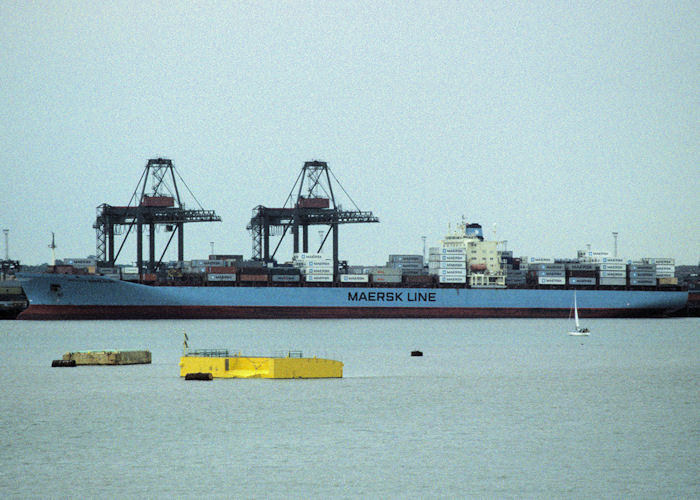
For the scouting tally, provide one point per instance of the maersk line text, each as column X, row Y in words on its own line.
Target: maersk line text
column 391, row 296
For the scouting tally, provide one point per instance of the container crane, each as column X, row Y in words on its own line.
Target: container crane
column 314, row 203
column 161, row 205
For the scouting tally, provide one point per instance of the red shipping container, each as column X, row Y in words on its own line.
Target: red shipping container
column 313, row 202
column 222, row 270
column 253, row 277
column 158, row 201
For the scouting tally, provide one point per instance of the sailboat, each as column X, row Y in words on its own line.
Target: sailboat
column 579, row 330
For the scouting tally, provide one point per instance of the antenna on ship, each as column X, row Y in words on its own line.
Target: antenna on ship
column 7, row 245
column 52, row 246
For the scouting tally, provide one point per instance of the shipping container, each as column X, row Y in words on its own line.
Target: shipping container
column 313, row 202
column 317, row 270
column 221, row 270
column 665, row 268
column 668, row 281
column 319, row 278
column 581, row 267
column 206, row 263
column 453, row 272
column 453, row 257
column 452, row 265
column 547, row 267
column 612, row 281
column 285, row 270
column 280, row 278
column 354, row 278
column 540, row 260
column 253, row 270
column 424, row 280
column 453, row 250
column 389, row 271
column 552, row 274
column 253, row 277
column 613, row 260
column 221, row 277
column 613, row 274
column 306, row 256
column 575, row 280
column 453, row 279
column 613, row 267
column 386, row 278
column 660, row 260
column 551, row 281
column 642, row 282
column 643, row 274
column 157, row 201
column 642, row 267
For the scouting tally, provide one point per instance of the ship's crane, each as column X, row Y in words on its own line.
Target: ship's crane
column 313, row 204
column 161, row 205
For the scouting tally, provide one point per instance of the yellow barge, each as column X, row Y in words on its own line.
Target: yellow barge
column 291, row 364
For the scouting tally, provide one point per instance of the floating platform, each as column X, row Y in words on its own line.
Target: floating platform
column 111, row 357
column 222, row 364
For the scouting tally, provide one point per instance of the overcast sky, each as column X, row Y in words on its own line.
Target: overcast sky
column 560, row 122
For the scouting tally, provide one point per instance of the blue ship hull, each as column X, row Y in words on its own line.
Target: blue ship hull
column 57, row 296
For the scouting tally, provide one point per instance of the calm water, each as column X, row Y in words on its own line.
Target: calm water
column 495, row 408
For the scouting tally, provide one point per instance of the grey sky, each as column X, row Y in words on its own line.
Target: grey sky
column 558, row 121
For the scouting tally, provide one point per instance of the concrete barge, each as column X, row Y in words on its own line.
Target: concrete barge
column 109, row 357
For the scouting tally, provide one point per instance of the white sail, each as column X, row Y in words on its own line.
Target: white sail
column 578, row 330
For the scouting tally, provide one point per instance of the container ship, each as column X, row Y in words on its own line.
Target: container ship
column 465, row 276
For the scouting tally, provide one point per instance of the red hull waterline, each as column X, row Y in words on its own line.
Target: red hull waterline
column 47, row 312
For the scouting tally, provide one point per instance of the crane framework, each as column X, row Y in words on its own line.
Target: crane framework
column 161, row 206
column 314, row 204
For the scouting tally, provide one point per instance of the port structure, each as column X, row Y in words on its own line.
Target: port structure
column 162, row 205
column 311, row 202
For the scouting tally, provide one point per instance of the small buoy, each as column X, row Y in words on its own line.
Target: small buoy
column 58, row 363
column 199, row 376
column 416, row 353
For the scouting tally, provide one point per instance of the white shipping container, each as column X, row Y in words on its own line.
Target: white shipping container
column 130, row 270
column 452, row 265
column 319, row 277
column 453, row 257
column 453, row 250
column 613, row 274
column 453, row 272
column 540, row 260
column 318, row 270
column 665, row 268
column 453, row 279
column 221, row 277
column 306, row 256
column 354, row 278
column 207, row 263
column 613, row 260
column 613, row 267
column 613, row 281
column 664, row 261
column 551, row 281
column 581, row 281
